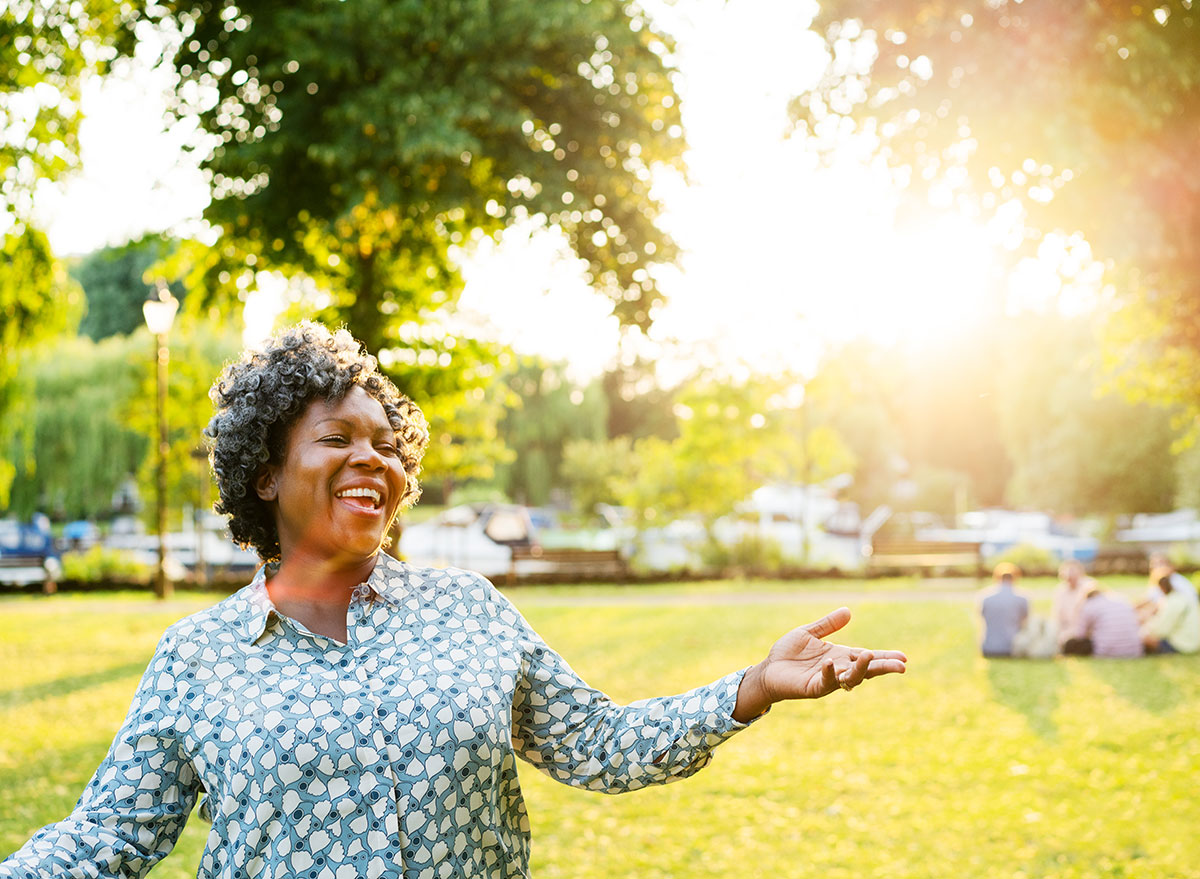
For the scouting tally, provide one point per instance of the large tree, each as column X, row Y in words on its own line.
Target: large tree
column 361, row 141
column 83, row 449
column 36, row 300
column 548, row 413
column 1085, row 113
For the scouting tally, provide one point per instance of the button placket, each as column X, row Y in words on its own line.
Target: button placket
column 383, row 802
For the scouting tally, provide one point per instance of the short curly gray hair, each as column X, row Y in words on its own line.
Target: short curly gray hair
column 262, row 394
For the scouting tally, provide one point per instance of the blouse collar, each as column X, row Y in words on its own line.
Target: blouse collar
column 387, row 582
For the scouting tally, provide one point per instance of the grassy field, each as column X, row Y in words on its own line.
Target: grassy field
column 963, row 767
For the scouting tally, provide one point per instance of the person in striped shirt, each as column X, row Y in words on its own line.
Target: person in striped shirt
column 1104, row 626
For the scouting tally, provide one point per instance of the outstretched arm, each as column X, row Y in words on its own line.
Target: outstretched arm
column 136, row 804
column 802, row 665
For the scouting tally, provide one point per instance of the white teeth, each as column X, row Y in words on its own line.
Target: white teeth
column 360, row 492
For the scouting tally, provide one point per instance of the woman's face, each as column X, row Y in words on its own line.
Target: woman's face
column 340, row 481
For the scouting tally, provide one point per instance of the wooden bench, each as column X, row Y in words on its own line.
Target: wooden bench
column 920, row 554
column 537, row 563
column 23, row 570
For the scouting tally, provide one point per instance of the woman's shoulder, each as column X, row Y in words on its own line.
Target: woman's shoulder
column 434, row 584
column 227, row 619
column 435, row 580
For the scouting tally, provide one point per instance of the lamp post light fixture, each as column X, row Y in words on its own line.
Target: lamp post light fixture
column 159, row 310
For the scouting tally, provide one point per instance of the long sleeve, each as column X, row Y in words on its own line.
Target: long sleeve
column 579, row 736
column 136, row 804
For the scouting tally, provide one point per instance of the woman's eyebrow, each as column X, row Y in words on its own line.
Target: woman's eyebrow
column 379, row 430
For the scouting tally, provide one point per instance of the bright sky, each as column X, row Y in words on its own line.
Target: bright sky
column 781, row 257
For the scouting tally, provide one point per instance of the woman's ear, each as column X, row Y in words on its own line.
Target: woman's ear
column 264, row 484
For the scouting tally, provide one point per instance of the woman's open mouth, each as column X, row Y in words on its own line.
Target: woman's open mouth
column 365, row 499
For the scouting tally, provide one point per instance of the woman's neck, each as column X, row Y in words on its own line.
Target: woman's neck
column 311, row 580
column 316, row 592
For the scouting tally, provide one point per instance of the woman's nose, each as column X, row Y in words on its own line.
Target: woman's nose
column 365, row 454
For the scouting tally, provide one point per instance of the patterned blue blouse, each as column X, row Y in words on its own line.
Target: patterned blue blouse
column 391, row 755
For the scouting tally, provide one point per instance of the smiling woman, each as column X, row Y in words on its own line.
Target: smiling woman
column 350, row 715
column 264, row 402
column 340, row 468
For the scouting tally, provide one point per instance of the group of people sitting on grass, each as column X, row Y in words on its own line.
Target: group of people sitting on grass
column 1086, row 620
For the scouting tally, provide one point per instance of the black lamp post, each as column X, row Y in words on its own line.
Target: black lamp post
column 159, row 309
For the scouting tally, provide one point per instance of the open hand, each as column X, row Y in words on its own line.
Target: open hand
column 802, row 665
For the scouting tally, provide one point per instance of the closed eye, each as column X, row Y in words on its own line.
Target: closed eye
column 333, row 438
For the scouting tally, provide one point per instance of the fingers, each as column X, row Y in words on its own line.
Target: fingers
column 854, row 675
column 829, row 623
column 885, row 667
column 871, row 664
column 829, row 678
column 853, row 653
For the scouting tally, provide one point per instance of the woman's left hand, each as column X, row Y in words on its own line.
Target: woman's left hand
column 802, row 665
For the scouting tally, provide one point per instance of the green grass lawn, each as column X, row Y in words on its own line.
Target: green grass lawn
column 962, row 768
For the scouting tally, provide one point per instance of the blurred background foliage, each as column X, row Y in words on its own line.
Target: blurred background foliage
column 358, row 147
column 1082, row 115
column 1030, row 431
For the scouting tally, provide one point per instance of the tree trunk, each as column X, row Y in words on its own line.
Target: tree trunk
column 364, row 319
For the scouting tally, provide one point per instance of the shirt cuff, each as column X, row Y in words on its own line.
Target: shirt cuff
column 726, row 689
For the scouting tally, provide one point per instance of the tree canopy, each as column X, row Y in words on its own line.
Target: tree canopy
column 361, row 141
column 83, row 450
column 548, row 414
column 47, row 48
column 113, row 282
column 1085, row 114
column 733, row 438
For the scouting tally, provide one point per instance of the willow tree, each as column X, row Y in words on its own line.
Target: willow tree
column 84, row 450
column 92, row 417
column 1084, row 113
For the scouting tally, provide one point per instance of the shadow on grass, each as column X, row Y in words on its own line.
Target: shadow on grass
column 1141, row 682
column 1030, row 687
column 35, row 795
column 18, row 696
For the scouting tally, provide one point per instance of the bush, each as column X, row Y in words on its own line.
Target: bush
column 101, row 563
column 1029, row 558
column 1184, row 557
column 477, row 493
column 751, row 554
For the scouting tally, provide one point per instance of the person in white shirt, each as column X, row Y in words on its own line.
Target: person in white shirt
column 1160, row 566
column 1175, row 625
